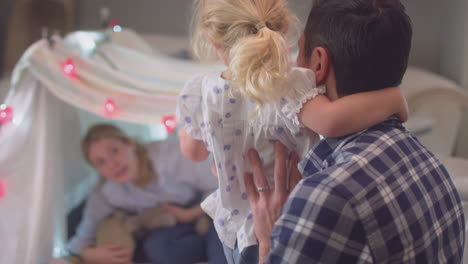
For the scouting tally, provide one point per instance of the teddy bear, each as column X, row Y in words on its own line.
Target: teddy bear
column 156, row 217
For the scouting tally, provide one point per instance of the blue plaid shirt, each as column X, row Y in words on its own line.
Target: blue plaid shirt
column 378, row 196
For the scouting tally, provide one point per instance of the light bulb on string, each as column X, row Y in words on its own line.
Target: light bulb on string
column 69, row 67
column 2, row 189
column 114, row 25
column 6, row 114
column 110, row 107
column 117, row 29
column 170, row 123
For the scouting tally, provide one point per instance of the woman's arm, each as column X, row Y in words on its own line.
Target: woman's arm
column 97, row 208
column 353, row 113
column 193, row 149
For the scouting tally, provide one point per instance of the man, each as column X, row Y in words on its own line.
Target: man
column 377, row 196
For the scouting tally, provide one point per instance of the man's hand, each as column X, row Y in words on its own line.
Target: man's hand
column 266, row 203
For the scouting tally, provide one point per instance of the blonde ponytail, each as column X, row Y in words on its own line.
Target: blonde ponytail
column 259, row 64
column 252, row 35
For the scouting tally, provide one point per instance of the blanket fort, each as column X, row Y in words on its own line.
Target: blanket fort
column 115, row 75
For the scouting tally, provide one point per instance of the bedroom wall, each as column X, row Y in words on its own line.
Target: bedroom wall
column 454, row 56
column 172, row 17
column 440, row 29
column 5, row 11
column 427, row 25
column 158, row 16
column 454, row 40
column 25, row 22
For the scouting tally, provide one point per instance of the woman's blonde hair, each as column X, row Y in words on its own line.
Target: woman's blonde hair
column 100, row 131
column 252, row 34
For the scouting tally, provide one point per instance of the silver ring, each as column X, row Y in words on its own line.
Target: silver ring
column 263, row 188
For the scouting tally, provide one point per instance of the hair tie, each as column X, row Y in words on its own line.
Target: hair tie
column 260, row 25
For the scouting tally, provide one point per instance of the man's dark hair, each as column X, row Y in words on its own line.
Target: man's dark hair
column 368, row 41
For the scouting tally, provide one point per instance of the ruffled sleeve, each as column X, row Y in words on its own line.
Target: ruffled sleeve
column 302, row 88
column 189, row 107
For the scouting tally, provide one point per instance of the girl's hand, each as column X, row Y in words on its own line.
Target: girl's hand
column 184, row 215
column 109, row 254
column 403, row 114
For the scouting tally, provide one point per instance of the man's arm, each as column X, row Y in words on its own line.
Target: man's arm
column 317, row 224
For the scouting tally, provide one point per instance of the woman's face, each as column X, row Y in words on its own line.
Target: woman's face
column 114, row 159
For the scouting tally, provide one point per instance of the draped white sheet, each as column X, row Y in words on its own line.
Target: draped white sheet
column 144, row 86
column 33, row 159
column 40, row 159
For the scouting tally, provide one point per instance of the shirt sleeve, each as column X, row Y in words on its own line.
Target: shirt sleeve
column 318, row 225
column 97, row 208
column 302, row 88
column 189, row 107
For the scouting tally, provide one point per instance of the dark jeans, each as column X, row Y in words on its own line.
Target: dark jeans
column 248, row 256
column 181, row 244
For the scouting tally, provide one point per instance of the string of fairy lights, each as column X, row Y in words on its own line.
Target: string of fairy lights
column 69, row 68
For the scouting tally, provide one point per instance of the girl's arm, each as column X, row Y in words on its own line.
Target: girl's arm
column 353, row 113
column 184, row 215
column 193, row 149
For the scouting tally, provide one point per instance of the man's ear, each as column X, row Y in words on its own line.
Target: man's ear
column 320, row 64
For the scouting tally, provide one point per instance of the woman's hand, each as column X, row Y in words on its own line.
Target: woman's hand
column 109, row 254
column 184, row 215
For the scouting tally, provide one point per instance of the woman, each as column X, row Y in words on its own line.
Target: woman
column 135, row 177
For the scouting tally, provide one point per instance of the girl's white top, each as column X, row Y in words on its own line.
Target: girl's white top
column 179, row 181
column 213, row 110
